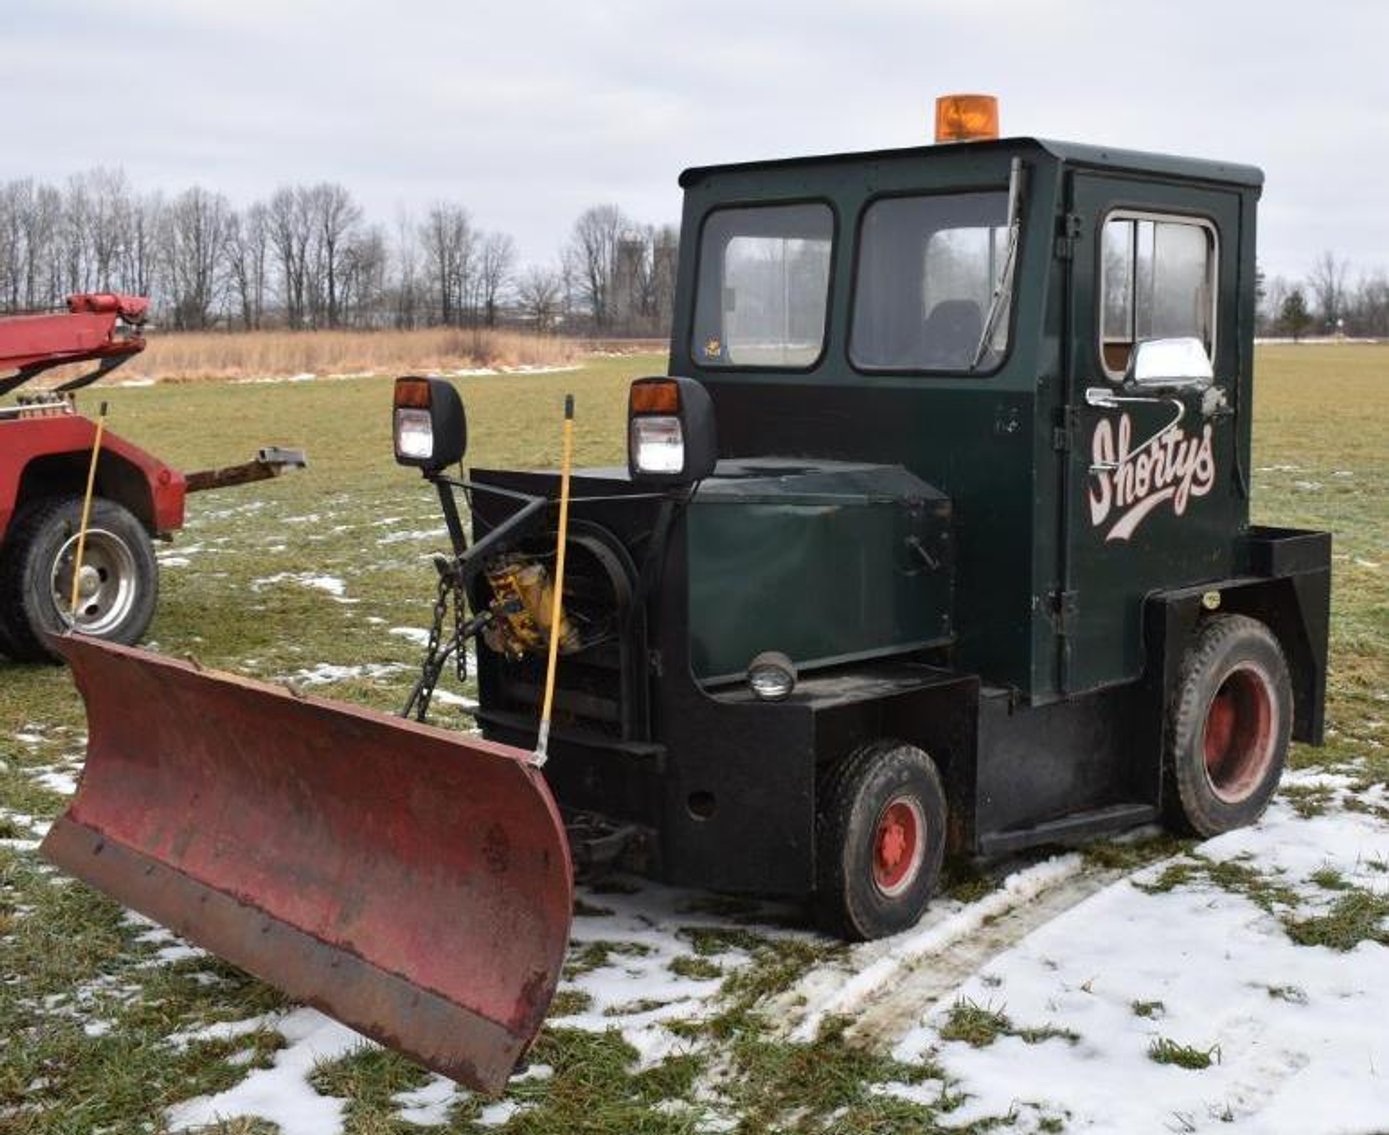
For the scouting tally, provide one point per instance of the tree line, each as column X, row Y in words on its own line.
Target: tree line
column 1325, row 302
column 308, row 257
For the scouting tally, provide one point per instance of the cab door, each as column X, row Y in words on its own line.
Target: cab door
column 1152, row 498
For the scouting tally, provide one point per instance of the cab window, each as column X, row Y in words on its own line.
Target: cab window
column 928, row 268
column 763, row 288
column 1157, row 281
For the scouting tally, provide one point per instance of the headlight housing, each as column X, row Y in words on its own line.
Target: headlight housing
column 429, row 428
column 670, row 431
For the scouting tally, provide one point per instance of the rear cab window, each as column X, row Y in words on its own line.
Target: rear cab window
column 763, row 288
column 1157, row 281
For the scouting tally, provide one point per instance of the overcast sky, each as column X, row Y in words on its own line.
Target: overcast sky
column 527, row 112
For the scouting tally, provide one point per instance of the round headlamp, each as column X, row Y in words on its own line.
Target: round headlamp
column 772, row 676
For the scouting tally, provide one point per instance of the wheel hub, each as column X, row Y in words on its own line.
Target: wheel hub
column 88, row 583
column 1239, row 734
column 899, row 845
column 106, row 582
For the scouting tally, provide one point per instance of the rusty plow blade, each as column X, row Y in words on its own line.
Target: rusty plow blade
column 412, row 882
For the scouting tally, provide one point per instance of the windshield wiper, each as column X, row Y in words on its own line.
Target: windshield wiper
column 1004, row 286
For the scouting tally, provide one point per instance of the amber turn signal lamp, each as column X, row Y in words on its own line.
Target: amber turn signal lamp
column 655, row 398
column 413, row 393
column 966, row 118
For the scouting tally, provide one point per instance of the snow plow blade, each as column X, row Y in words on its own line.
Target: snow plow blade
column 411, row 882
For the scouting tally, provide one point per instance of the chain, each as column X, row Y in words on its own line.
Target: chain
column 460, row 632
column 434, row 658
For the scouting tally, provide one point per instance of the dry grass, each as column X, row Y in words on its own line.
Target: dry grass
column 189, row 356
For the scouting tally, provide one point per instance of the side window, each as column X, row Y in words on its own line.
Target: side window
column 763, row 287
column 1157, row 281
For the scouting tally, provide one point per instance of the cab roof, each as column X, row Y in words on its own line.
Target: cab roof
column 1069, row 153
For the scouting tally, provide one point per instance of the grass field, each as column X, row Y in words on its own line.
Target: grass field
column 321, row 579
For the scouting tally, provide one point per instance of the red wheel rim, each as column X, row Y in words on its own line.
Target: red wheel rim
column 1238, row 738
column 899, row 845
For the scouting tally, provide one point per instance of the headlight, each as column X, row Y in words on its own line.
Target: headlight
column 428, row 424
column 414, row 435
column 670, row 432
column 657, row 445
column 772, row 676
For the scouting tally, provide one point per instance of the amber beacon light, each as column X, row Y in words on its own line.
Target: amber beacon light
column 966, row 118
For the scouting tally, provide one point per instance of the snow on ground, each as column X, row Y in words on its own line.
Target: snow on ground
column 400, row 537
column 280, row 1094
column 329, row 583
column 482, row 372
column 1296, row 1033
column 325, row 672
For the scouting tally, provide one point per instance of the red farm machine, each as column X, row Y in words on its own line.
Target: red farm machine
column 935, row 539
column 46, row 453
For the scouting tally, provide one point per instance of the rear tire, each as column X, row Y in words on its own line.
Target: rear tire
column 1228, row 727
column 120, row 576
column 880, row 840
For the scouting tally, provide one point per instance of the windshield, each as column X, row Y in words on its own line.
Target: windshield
column 927, row 270
column 763, row 288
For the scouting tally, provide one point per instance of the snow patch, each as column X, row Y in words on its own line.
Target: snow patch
column 281, row 1094
column 56, row 780
column 415, row 636
column 1298, row 1030
column 328, row 583
column 326, row 672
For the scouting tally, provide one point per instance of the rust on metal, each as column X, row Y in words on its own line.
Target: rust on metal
column 269, row 462
column 411, row 882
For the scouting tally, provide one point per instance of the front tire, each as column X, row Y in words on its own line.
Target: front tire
column 119, row 580
column 880, row 840
column 1229, row 724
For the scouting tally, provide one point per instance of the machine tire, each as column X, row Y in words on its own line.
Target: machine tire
column 118, row 560
column 880, row 840
column 1229, row 722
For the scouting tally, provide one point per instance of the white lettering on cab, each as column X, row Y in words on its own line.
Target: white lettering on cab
column 1127, row 485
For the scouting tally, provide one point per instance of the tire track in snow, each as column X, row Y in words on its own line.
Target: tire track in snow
column 889, row 986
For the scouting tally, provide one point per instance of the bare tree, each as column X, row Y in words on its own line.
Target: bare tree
column 146, row 221
column 75, row 237
column 1327, row 281
column 43, row 271
column 306, row 256
column 1370, row 307
column 593, row 255
column 109, row 200
column 449, row 241
column 334, row 217
column 199, row 223
column 248, row 254
column 496, row 263
column 289, row 231
column 540, row 298
column 14, row 201
column 1270, row 309
column 406, row 295
column 362, row 276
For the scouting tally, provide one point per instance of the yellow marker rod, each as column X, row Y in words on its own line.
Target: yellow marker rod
column 86, row 515
column 542, row 741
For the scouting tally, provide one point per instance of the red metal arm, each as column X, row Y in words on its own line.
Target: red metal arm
column 87, row 331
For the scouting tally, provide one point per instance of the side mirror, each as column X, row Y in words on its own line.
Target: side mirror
column 428, row 424
column 1170, row 362
column 671, row 438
